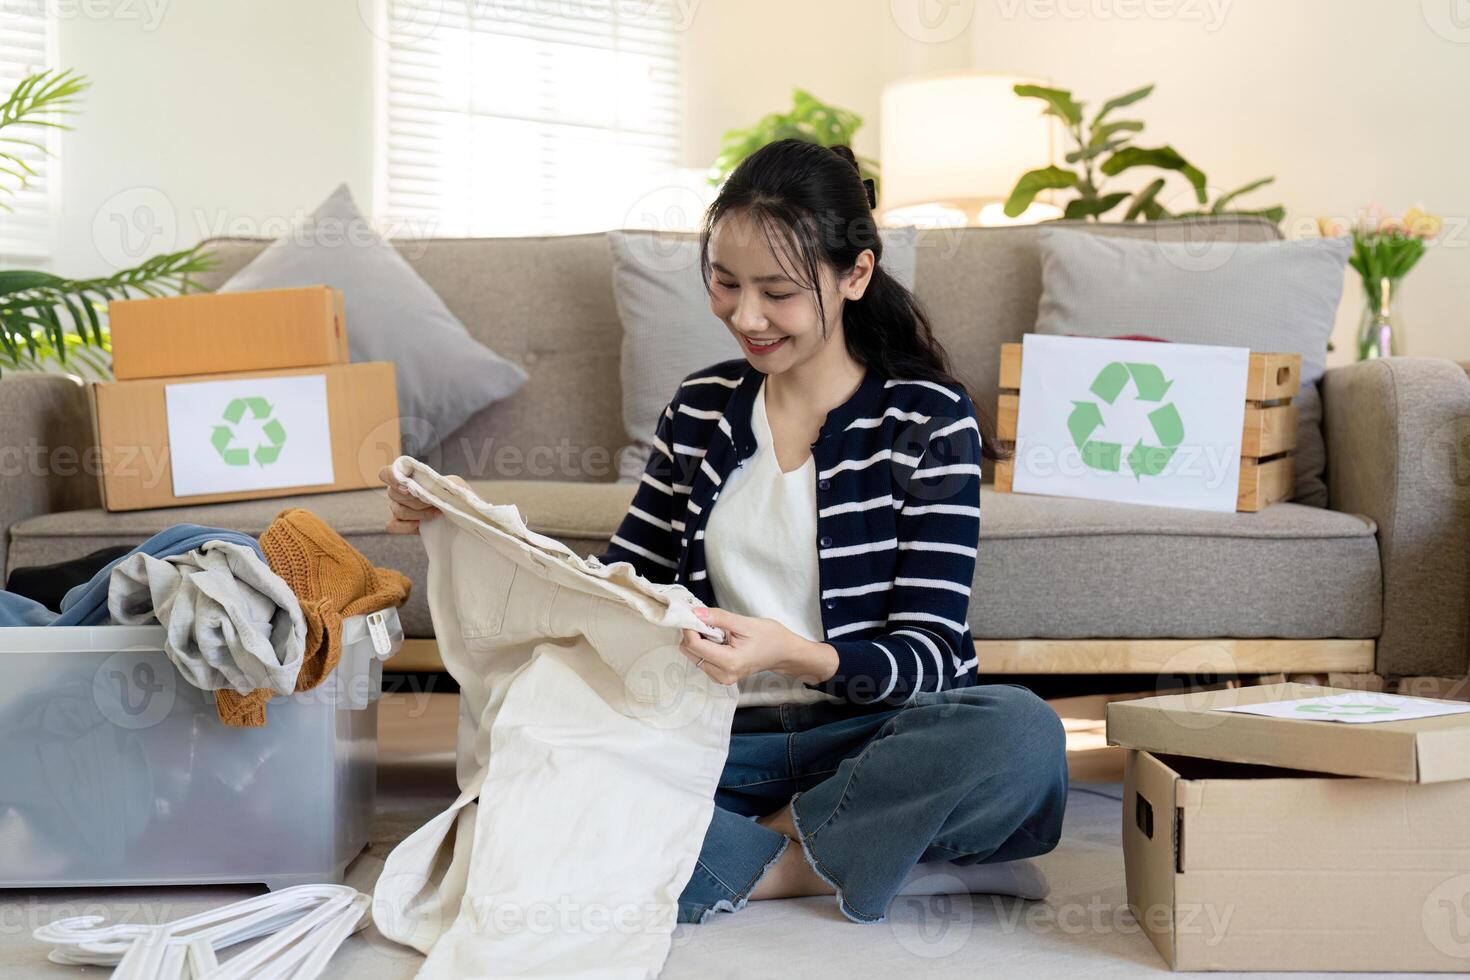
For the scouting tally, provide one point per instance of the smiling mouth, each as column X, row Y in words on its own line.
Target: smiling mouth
column 762, row 347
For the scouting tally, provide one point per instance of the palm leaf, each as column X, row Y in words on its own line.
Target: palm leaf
column 35, row 101
column 33, row 303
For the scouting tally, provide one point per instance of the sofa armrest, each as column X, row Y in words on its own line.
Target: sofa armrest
column 47, row 459
column 1398, row 451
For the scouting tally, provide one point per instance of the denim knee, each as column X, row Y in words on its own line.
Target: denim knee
column 1010, row 710
column 1016, row 731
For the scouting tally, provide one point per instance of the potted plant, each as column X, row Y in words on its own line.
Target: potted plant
column 1104, row 147
column 50, row 322
column 809, row 119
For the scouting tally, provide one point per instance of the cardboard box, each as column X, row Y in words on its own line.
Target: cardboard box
column 210, row 333
column 250, row 434
column 1239, row 866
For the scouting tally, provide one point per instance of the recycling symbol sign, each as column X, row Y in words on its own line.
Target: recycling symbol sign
column 273, row 434
column 1087, row 418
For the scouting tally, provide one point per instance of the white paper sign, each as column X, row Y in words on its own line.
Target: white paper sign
column 1132, row 421
column 249, row 434
column 1356, row 708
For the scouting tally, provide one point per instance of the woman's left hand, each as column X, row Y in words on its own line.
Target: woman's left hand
column 754, row 645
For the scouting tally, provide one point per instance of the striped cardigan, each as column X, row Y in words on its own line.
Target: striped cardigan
column 898, row 521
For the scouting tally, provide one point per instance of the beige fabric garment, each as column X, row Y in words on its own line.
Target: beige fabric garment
column 590, row 749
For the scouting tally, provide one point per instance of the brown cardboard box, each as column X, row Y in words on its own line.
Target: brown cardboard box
column 208, row 333
column 1238, row 866
column 131, row 423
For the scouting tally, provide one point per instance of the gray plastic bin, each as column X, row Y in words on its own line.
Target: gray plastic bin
column 115, row 771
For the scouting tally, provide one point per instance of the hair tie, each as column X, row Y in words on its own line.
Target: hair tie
column 872, row 189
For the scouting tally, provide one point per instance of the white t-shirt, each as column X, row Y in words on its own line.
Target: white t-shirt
column 760, row 544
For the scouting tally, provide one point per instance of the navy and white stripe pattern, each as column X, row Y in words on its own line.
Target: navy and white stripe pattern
column 898, row 521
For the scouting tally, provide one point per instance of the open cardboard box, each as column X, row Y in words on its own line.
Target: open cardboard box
column 1255, row 843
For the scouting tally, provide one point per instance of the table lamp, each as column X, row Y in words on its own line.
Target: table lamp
column 953, row 146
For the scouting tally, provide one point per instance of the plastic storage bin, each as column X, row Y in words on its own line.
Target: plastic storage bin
column 116, row 771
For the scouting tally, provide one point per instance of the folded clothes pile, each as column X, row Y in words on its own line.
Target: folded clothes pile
column 332, row 580
column 86, row 604
column 231, row 622
column 243, row 618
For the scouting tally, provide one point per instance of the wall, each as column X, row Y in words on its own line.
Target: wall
column 207, row 117
column 743, row 58
column 1346, row 102
column 210, row 116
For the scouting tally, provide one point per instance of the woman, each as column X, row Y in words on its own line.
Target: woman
column 821, row 495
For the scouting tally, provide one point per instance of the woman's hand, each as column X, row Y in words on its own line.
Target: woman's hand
column 407, row 510
column 754, row 645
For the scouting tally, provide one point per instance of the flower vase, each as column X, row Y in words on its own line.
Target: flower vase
column 1380, row 329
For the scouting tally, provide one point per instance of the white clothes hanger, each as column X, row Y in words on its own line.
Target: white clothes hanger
column 306, row 925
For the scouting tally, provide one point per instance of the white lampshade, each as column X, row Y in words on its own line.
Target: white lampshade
column 954, row 145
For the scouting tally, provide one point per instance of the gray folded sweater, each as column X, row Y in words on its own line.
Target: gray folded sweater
column 231, row 622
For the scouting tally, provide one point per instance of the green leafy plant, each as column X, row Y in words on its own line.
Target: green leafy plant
column 809, row 119
column 45, row 318
column 35, row 100
column 1104, row 147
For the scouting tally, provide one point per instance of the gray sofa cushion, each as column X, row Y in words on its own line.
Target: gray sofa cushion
column 1267, row 296
column 583, row 515
column 1058, row 567
column 1049, row 566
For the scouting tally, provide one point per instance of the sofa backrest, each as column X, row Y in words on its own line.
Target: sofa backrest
column 547, row 304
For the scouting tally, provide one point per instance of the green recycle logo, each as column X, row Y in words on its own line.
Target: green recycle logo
column 265, row 453
column 1087, row 418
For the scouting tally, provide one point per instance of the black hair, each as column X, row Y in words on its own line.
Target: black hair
column 811, row 204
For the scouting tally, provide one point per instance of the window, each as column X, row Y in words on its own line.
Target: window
column 526, row 117
column 26, row 229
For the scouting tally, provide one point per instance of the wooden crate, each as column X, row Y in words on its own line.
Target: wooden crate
column 1267, row 443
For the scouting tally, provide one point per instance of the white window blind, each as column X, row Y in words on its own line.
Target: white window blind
column 526, row 117
column 26, row 229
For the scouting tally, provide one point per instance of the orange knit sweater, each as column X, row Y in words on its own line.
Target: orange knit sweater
column 332, row 580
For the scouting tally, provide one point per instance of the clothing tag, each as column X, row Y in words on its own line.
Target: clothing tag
column 378, row 630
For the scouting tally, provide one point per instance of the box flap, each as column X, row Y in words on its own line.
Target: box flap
column 1151, row 853
column 1423, row 750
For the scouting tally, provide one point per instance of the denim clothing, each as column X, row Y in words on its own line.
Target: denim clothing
column 86, row 604
column 968, row 775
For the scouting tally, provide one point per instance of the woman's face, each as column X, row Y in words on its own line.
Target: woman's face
column 772, row 316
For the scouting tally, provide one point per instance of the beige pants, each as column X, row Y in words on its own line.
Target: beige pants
column 589, row 753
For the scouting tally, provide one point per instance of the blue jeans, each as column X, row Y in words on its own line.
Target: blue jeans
column 968, row 775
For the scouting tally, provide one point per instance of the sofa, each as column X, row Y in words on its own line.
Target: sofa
column 1374, row 583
